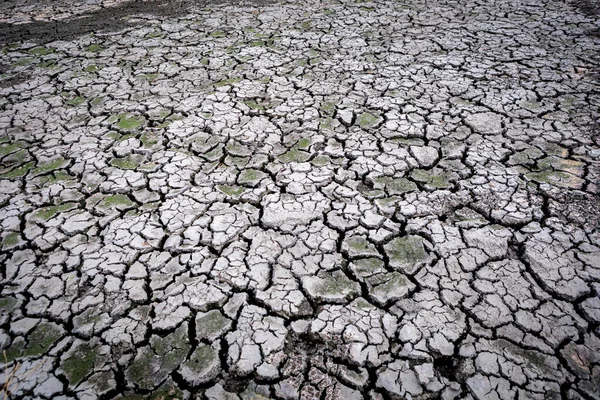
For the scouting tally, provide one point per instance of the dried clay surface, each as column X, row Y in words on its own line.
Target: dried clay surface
column 300, row 200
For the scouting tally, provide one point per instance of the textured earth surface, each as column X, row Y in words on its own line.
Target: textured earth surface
column 301, row 200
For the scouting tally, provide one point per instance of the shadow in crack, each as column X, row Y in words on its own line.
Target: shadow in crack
column 589, row 7
column 105, row 19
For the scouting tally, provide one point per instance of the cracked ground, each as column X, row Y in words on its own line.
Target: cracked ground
column 303, row 200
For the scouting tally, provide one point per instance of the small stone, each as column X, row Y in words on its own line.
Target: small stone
column 426, row 156
column 346, row 116
column 487, row 123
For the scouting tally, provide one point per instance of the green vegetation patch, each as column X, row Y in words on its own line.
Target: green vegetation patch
column 147, row 77
column 116, row 201
column 131, row 161
column 336, row 283
column 239, row 150
column 556, row 178
column 328, row 108
column 365, row 267
column 231, row 190
column 432, row 179
column 23, row 61
column 11, row 240
column 253, row 105
column 250, row 177
column 304, row 144
column 11, row 148
column 562, row 164
column 368, row 120
column 80, row 363
column 218, row 34
column 17, row 172
column 294, row 155
column 406, row 253
column 49, row 166
column 8, row 304
column 321, row 160
column 148, row 139
column 229, row 81
column 16, row 158
column 167, row 391
column 155, row 35
column 94, row 48
column 155, row 362
column 395, row 186
column 47, row 64
column 237, row 161
column 96, row 101
column 92, row 69
column 41, row 51
column 56, row 177
column 46, row 213
column 76, row 101
column 41, row 339
column 128, row 122
column 201, row 359
column 359, row 244
column 211, row 325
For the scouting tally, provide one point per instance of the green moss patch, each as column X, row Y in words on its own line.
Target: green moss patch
column 76, row 101
column 432, row 179
column 42, row 338
column 116, row 201
column 147, row 77
column 365, row 267
column 556, row 178
column 397, row 186
column 250, row 177
column 368, row 120
column 321, row 161
column 253, row 105
column 148, row 139
column 8, row 304
column 17, row 172
column 11, row 148
column 23, row 61
column 10, row 240
column 226, row 82
column 155, row 35
column 336, row 283
column 231, row 190
column 94, row 48
column 406, row 253
column 218, row 34
column 56, row 177
column 47, row 64
column 41, row 51
column 131, row 161
column 303, row 144
column 359, row 246
column 80, row 363
column 50, row 166
column 128, row 122
column 96, row 101
column 92, row 69
column 294, row 155
column 49, row 212
column 156, row 361
column 211, row 325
